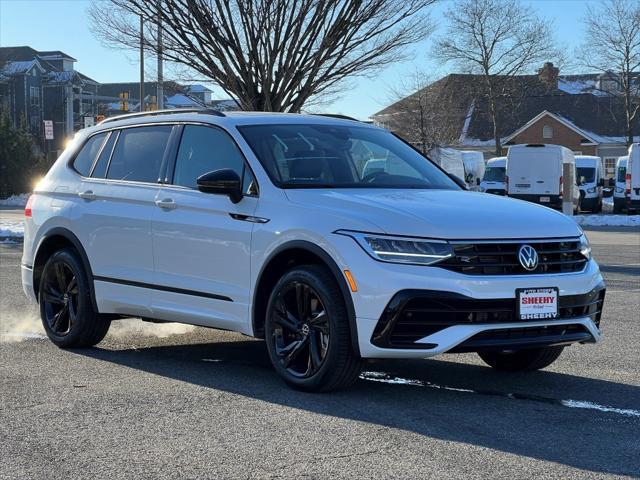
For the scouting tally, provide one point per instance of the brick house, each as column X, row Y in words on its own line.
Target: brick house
column 581, row 112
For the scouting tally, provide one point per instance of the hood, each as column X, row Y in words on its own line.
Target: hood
column 446, row 214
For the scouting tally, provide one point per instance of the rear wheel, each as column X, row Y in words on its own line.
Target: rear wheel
column 522, row 360
column 66, row 308
column 307, row 331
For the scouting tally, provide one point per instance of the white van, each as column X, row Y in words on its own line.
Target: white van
column 619, row 190
column 534, row 173
column 474, row 168
column 590, row 177
column 632, row 179
column 493, row 179
column 450, row 160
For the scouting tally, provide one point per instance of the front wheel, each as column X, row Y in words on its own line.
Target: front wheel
column 522, row 360
column 307, row 331
column 66, row 308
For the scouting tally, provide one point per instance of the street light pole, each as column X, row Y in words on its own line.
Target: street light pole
column 141, row 64
column 160, row 94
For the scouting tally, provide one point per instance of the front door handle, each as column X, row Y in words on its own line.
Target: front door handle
column 87, row 195
column 166, row 203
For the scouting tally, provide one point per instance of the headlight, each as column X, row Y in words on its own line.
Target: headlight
column 619, row 189
column 393, row 249
column 585, row 247
column 591, row 190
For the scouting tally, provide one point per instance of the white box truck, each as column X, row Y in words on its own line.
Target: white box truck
column 619, row 201
column 632, row 180
column 494, row 173
column 534, row 173
column 590, row 181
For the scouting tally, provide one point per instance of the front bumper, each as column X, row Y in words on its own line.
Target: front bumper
column 446, row 322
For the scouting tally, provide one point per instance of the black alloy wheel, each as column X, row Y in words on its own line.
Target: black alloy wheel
column 301, row 330
column 60, row 298
column 67, row 310
column 307, row 331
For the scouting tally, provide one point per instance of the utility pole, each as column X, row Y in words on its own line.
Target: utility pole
column 141, row 64
column 160, row 79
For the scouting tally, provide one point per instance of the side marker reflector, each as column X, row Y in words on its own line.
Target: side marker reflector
column 352, row 282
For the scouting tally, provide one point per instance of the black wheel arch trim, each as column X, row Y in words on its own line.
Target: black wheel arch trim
column 70, row 236
column 333, row 268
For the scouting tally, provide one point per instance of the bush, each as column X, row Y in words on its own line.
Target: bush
column 19, row 164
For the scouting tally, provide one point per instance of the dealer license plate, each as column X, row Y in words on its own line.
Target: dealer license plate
column 537, row 303
column 545, row 199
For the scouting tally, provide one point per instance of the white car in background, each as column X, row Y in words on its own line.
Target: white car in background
column 494, row 176
column 590, row 175
column 632, row 179
column 535, row 174
column 268, row 225
column 619, row 195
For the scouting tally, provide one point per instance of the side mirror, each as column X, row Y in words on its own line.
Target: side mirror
column 458, row 181
column 478, row 181
column 221, row 182
column 612, row 182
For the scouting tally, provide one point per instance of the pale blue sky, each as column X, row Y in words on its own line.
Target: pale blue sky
column 63, row 25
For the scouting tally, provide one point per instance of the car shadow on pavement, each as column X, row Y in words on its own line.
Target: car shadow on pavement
column 521, row 414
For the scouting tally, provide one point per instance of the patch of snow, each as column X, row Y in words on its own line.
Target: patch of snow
column 15, row 200
column 608, row 220
column 10, row 228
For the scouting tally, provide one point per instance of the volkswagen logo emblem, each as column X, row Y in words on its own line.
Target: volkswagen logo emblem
column 528, row 257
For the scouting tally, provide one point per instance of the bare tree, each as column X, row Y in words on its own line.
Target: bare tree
column 271, row 55
column 421, row 113
column 612, row 46
column 498, row 39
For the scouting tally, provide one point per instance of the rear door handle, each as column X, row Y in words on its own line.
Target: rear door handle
column 166, row 203
column 87, row 195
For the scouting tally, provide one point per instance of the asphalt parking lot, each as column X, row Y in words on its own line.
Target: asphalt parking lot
column 170, row 401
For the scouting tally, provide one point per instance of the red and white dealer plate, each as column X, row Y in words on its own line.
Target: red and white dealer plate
column 537, row 303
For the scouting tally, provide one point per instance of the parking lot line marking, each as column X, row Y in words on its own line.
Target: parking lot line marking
column 386, row 378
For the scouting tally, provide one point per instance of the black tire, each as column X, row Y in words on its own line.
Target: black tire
column 66, row 308
column 318, row 356
column 522, row 360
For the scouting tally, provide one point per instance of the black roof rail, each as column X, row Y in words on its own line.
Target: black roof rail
column 336, row 115
column 205, row 111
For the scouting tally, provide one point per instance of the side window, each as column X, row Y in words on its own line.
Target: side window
column 86, row 156
column 249, row 184
column 100, row 169
column 138, row 154
column 205, row 149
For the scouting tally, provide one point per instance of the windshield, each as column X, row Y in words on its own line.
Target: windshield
column 589, row 174
column 622, row 174
column 337, row 156
column 494, row 174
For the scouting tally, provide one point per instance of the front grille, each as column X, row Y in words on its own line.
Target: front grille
column 415, row 314
column 502, row 258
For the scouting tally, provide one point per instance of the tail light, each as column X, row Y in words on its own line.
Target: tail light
column 627, row 184
column 27, row 208
column 561, row 186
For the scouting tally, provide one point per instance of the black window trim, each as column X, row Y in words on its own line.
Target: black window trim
column 171, row 166
column 116, row 135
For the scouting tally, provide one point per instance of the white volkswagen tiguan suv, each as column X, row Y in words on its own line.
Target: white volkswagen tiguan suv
column 269, row 225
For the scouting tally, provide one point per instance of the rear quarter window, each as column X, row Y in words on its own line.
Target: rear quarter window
column 88, row 153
